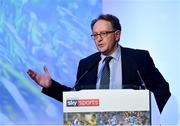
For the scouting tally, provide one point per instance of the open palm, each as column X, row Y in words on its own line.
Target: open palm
column 44, row 80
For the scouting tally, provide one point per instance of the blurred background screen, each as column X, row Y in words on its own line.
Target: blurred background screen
column 34, row 33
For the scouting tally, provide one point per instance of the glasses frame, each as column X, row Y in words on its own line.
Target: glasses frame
column 101, row 34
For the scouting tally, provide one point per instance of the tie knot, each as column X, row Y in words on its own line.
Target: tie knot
column 107, row 59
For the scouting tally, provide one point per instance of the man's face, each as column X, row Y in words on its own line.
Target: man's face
column 107, row 42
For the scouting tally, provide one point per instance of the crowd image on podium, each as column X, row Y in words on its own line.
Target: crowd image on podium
column 107, row 118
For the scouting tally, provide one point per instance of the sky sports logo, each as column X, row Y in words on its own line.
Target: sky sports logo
column 82, row 102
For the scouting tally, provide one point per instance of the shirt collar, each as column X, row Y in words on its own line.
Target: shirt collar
column 116, row 55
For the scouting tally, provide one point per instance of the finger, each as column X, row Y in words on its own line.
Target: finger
column 46, row 69
column 31, row 73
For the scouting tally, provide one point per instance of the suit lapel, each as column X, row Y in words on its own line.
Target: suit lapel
column 129, row 68
column 90, row 79
column 125, row 66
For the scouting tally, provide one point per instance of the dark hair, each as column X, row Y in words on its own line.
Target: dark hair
column 108, row 17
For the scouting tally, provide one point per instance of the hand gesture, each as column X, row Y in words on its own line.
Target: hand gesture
column 44, row 80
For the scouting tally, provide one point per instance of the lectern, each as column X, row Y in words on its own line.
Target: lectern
column 110, row 107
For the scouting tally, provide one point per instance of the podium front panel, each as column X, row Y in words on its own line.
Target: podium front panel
column 107, row 107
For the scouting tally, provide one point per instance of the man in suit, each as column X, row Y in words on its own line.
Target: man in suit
column 128, row 68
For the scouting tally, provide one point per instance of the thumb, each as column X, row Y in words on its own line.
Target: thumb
column 46, row 69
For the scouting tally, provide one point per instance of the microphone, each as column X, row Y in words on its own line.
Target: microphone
column 87, row 70
column 143, row 85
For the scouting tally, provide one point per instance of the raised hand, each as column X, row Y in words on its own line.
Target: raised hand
column 44, row 80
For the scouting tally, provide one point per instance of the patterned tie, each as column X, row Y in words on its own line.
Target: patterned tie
column 105, row 76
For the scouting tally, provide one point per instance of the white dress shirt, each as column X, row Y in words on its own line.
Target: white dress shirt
column 115, row 70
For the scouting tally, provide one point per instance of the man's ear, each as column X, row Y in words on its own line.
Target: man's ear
column 117, row 35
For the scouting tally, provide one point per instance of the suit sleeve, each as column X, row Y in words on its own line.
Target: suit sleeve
column 153, row 79
column 56, row 90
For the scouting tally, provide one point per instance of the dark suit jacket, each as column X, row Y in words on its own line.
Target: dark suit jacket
column 137, row 66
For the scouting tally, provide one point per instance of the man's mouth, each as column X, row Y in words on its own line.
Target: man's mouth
column 100, row 45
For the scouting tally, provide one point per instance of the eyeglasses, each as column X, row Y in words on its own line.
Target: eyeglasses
column 101, row 34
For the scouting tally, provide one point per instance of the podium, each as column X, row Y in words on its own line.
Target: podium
column 110, row 107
